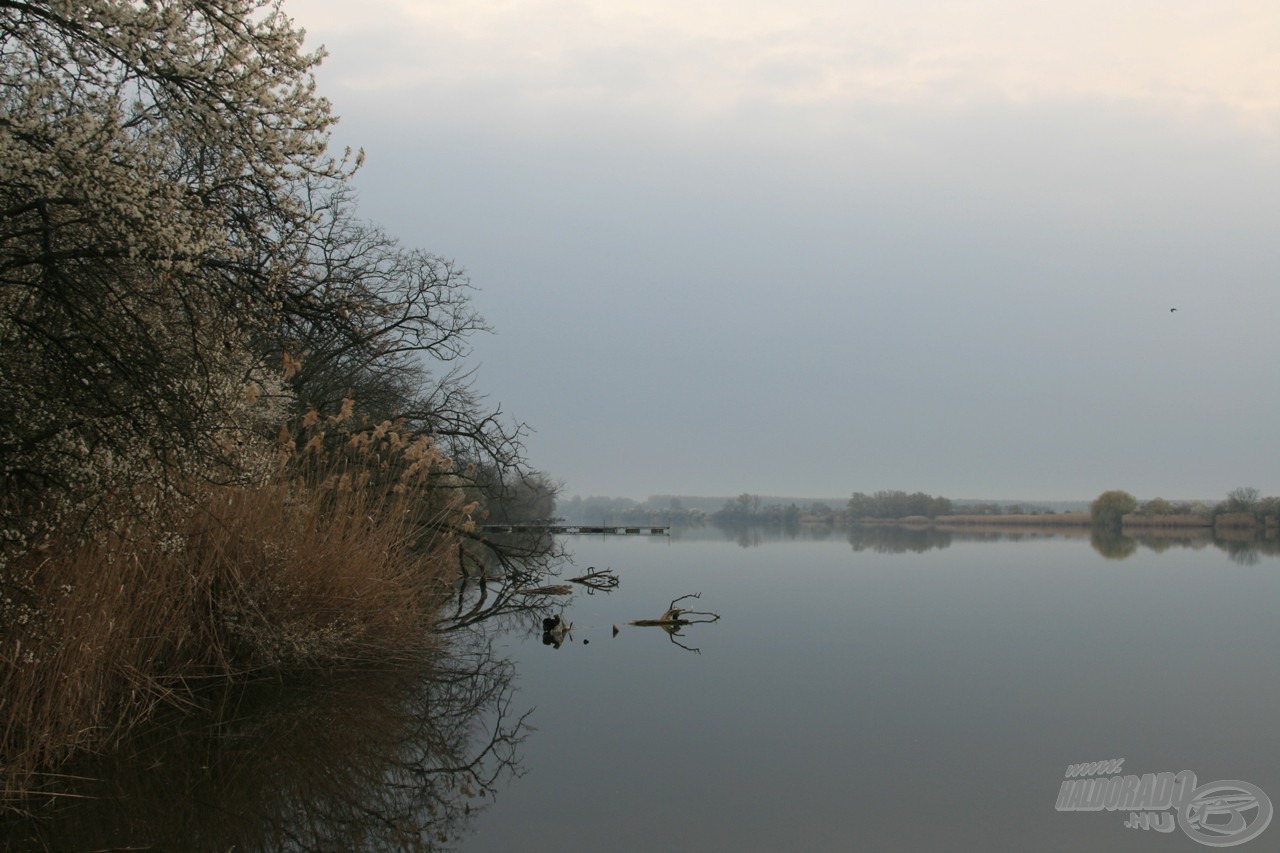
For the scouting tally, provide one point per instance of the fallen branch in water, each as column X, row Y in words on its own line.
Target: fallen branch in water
column 676, row 616
column 554, row 589
column 595, row 579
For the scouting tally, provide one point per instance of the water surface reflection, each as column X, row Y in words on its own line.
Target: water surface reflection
column 1242, row 546
column 923, row 687
column 900, row 689
column 376, row 760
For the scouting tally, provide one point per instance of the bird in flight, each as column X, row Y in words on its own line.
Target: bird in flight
column 1171, row 310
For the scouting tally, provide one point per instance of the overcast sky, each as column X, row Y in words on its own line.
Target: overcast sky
column 810, row 247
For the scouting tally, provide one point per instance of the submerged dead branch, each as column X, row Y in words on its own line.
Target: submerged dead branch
column 596, row 579
column 676, row 618
column 552, row 589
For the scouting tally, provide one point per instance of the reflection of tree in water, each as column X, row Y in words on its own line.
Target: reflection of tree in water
column 746, row 537
column 1112, row 544
column 1243, row 547
column 1246, row 549
column 499, row 574
column 898, row 540
column 398, row 757
column 1245, row 553
column 1161, row 542
column 750, row 536
column 389, row 760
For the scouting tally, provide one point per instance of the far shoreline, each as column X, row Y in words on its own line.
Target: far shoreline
column 1235, row 522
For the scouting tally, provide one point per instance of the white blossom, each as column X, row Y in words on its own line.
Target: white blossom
column 149, row 159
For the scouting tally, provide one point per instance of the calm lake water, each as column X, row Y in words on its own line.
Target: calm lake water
column 892, row 690
column 873, row 698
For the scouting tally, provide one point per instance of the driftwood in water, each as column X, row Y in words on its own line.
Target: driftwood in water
column 592, row 580
column 553, row 589
column 596, row 579
column 676, row 617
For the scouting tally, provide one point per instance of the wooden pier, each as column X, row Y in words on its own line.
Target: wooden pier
column 581, row 529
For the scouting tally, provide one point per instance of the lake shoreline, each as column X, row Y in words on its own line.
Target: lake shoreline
column 1236, row 522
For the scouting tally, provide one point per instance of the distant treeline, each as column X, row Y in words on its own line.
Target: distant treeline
column 604, row 510
column 884, row 506
column 1242, row 507
column 749, row 510
column 897, row 504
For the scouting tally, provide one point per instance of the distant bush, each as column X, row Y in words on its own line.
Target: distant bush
column 1110, row 507
column 1156, row 506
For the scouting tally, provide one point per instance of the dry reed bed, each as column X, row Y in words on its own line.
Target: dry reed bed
column 1083, row 519
column 1061, row 519
column 1135, row 520
column 1236, row 519
column 323, row 566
